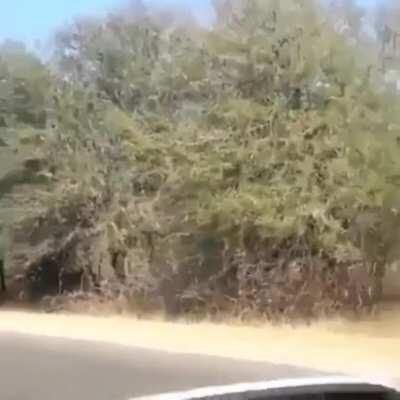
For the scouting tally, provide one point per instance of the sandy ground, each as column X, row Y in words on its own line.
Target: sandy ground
column 363, row 348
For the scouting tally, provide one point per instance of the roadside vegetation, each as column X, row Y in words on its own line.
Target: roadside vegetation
column 247, row 168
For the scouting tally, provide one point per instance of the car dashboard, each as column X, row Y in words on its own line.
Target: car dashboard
column 325, row 388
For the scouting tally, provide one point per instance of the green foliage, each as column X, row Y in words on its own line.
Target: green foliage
column 203, row 149
column 25, row 89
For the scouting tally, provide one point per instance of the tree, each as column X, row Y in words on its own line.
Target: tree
column 250, row 165
column 25, row 89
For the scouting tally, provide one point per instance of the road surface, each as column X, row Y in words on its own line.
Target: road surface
column 44, row 368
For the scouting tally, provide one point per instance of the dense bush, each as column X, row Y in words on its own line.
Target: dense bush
column 250, row 167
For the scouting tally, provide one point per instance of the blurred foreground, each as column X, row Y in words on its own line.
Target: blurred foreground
column 369, row 347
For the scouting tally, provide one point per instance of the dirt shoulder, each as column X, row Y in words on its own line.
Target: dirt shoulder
column 370, row 347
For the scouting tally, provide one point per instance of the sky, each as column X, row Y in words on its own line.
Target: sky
column 29, row 20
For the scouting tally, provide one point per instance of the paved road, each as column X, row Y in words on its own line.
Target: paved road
column 38, row 368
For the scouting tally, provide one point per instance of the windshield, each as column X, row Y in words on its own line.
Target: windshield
column 210, row 178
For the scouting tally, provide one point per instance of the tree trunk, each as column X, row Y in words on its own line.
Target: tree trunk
column 2, row 277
